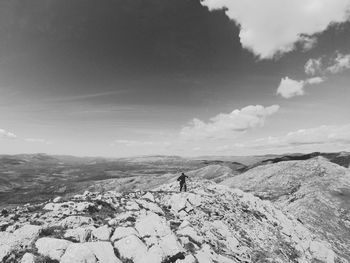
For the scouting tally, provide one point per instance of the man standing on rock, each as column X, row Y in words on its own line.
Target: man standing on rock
column 182, row 180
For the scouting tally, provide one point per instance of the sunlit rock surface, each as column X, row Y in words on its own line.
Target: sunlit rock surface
column 210, row 223
column 315, row 191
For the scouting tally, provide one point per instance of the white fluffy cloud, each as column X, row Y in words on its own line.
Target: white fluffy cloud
column 289, row 88
column 227, row 125
column 269, row 27
column 322, row 135
column 7, row 134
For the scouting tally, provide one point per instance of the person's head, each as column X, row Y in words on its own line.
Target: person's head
column 182, row 174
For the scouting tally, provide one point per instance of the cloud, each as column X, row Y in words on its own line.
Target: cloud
column 227, row 125
column 289, row 88
column 7, row 134
column 313, row 66
column 270, row 27
column 322, row 135
column 334, row 65
column 340, row 63
column 314, row 80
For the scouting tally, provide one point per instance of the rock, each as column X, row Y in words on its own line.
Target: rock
column 20, row 239
column 191, row 233
column 52, row 247
column 132, row 206
column 78, row 253
column 164, row 247
column 28, row 258
column 183, row 202
column 57, row 199
column 150, row 206
column 148, row 196
column 150, row 224
column 321, row 252
column 132, row 248
column 103, row 251
column 121, row 232
column 102, row 233
column 5, row 251
column 83, row 206
column 76, row 221
column 80, row 234
column 27, row 234
column 207, row 255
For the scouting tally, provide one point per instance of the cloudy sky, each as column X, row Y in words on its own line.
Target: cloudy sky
column 184, row 77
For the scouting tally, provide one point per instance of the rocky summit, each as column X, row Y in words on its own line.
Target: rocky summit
column 209, row 224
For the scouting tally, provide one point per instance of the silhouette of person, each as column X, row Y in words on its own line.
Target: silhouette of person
column 182, row 180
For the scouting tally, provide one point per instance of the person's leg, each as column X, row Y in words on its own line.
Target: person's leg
column 185, row 187
column 181, row 185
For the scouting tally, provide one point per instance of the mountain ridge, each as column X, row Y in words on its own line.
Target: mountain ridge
column 316, row 191
column 211, row 223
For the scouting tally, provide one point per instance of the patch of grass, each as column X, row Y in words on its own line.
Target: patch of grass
column 288, row 251
column 173, row 259
column 261, row 256
column 190, row 247
column 53, row 231
column 45, row 259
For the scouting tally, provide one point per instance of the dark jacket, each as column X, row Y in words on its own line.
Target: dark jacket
column 182, row 179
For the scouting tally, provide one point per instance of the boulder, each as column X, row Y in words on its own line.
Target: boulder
column 131, row 205
column 150, row 206
column 151, row 224
column 148, row 196
column 28, row 258
column 121, row 232
column 18, row 240
column 57, row 199
column 52, row 247
column 5, row 251
column 78, row 253
column 165, row 247
column 102, row 233
column 132, row 248
column 80, row 234
column 191, row 233
column 76, row 221
column 321, row 252
column 103, row 251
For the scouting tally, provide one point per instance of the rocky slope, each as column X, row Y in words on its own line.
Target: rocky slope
column 315, row 191
column 209, row 224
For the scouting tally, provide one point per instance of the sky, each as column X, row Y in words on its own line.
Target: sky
column 174, row 77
